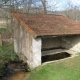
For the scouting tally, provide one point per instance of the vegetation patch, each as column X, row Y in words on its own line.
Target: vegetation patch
column 3, row 29
column 6, row 54
column 68, row 69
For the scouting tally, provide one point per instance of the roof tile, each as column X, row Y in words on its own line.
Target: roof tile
column 48, row 24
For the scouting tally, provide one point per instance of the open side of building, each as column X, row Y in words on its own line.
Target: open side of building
column 39, row 35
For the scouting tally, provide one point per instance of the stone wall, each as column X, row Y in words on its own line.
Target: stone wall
column 27, row 48
column 15, row 27
column 68, row 42
column 71, row 42
column 52, row 42
column 36, row 52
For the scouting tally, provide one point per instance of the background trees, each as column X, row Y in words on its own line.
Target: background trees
column 72, row 11
column 27, row 5
column 38, row 7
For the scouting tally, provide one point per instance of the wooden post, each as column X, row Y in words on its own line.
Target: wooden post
column 0, row 40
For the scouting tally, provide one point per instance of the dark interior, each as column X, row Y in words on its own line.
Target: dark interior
column 54, row 48
column 57, row 56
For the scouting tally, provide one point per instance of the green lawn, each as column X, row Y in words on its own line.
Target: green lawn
column 68, row 69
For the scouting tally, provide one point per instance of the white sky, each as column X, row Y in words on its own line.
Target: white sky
column 60, row 4
column 75, row 2
column 63, row 3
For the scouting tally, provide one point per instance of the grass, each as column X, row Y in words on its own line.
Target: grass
column 3, row 29
column 68, row 69
column 7, row 53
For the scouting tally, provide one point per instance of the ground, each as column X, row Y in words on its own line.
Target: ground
column 68, row 69
column 19, row 76
column 6, row 54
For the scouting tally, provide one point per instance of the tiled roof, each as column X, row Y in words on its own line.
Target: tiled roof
column 48, row 24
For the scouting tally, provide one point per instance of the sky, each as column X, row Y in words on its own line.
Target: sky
column 62, row 4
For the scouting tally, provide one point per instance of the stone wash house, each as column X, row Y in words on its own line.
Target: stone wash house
column 35, row 35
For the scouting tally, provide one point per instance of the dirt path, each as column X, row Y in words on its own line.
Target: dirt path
column 18, row 76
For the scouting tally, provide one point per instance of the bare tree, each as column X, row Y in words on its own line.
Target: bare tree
column 44, row 6
column 39, row 5
column 72, row 11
